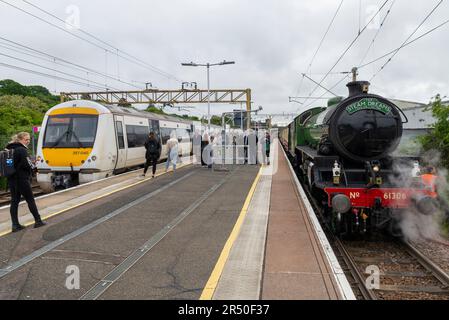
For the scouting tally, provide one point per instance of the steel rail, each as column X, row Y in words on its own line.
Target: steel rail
column 428, row 264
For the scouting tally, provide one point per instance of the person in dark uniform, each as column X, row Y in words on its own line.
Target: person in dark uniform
column 153, row 147
column 267, row 146
column 20, row 182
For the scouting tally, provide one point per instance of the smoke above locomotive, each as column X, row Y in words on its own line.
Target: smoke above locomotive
column 362, row 127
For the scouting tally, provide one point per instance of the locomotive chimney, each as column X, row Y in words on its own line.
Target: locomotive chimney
column 358, row 87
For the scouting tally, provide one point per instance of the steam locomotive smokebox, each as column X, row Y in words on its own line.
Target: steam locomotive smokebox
column 358, row 87
column 364, row 126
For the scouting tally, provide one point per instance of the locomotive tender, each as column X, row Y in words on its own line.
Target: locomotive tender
column 343, row 154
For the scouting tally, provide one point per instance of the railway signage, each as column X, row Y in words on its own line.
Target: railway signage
column 368, row 104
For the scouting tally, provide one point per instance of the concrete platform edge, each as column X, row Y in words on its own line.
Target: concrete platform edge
column 337, row 272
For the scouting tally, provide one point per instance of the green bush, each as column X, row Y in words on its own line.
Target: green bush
column 19, row 113
column 438, row 138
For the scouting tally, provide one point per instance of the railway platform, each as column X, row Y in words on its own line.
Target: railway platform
column 243, row 233
column 281, row 252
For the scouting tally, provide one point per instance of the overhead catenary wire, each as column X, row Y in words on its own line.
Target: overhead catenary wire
column 305, row 107
column 50, row 76
column 378, row 32
column 135, row 61
column 99, row 40
column 408, row 38
column 324, row 36
column 409, row 42
column 383, row 56
column 55, row 70
column 23, row 49
column 309, row 67
column 405, row 45
column 347, row 49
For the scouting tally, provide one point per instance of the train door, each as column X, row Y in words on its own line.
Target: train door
column 121, row 146
column 154, row 127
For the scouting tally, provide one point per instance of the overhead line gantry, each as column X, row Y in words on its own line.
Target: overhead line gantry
column 157, row 96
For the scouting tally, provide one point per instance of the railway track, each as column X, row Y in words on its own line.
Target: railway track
column 404, row 272
column 5, row 196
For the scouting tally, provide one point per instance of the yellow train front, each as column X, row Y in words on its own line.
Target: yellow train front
column 84, row 141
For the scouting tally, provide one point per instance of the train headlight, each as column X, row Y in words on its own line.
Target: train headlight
column 376, row 168
column 341, row 203
column 39, row 158
column 94, row 158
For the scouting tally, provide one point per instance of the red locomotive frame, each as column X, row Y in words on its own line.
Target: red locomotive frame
column 396, row 198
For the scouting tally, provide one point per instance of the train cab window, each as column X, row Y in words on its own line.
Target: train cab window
column 120, row 136
column 136, row 136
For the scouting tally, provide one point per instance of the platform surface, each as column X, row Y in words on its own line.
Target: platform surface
column 279, row 253
column 59, row 202
column 181, row 219
column 296, row 267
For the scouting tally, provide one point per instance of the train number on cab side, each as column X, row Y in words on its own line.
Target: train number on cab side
column 395, row 196
column 354, row 195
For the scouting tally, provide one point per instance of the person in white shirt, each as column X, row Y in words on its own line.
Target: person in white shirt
column 172, row 152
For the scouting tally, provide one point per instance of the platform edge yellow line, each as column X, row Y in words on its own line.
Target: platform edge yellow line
column 212, row 283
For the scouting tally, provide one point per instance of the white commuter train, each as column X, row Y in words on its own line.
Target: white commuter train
column 83, row 141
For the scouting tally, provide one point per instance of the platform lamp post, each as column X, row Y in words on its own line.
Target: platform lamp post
column 207, row 65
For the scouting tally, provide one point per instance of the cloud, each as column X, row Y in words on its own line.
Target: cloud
column 271, row 41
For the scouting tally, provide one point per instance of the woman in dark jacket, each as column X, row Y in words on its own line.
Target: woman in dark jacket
column 153, row 147
column 20, row 182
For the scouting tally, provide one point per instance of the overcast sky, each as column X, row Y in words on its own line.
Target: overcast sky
column 271, row 41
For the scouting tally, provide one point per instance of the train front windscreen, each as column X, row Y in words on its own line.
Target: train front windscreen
column 70, row 131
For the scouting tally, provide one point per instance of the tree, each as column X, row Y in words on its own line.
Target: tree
column 19, row 113
column 216, row 120
column 10, row 87
column 438, row 138
column 123, row 103
column 154, row 109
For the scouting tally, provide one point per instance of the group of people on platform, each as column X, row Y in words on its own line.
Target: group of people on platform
column 244, row 145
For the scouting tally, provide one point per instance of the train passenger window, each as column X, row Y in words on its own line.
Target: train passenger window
column 182, row 135
column 166, row 133
column 120, row 136
column 154, row 127
column 136, row 135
